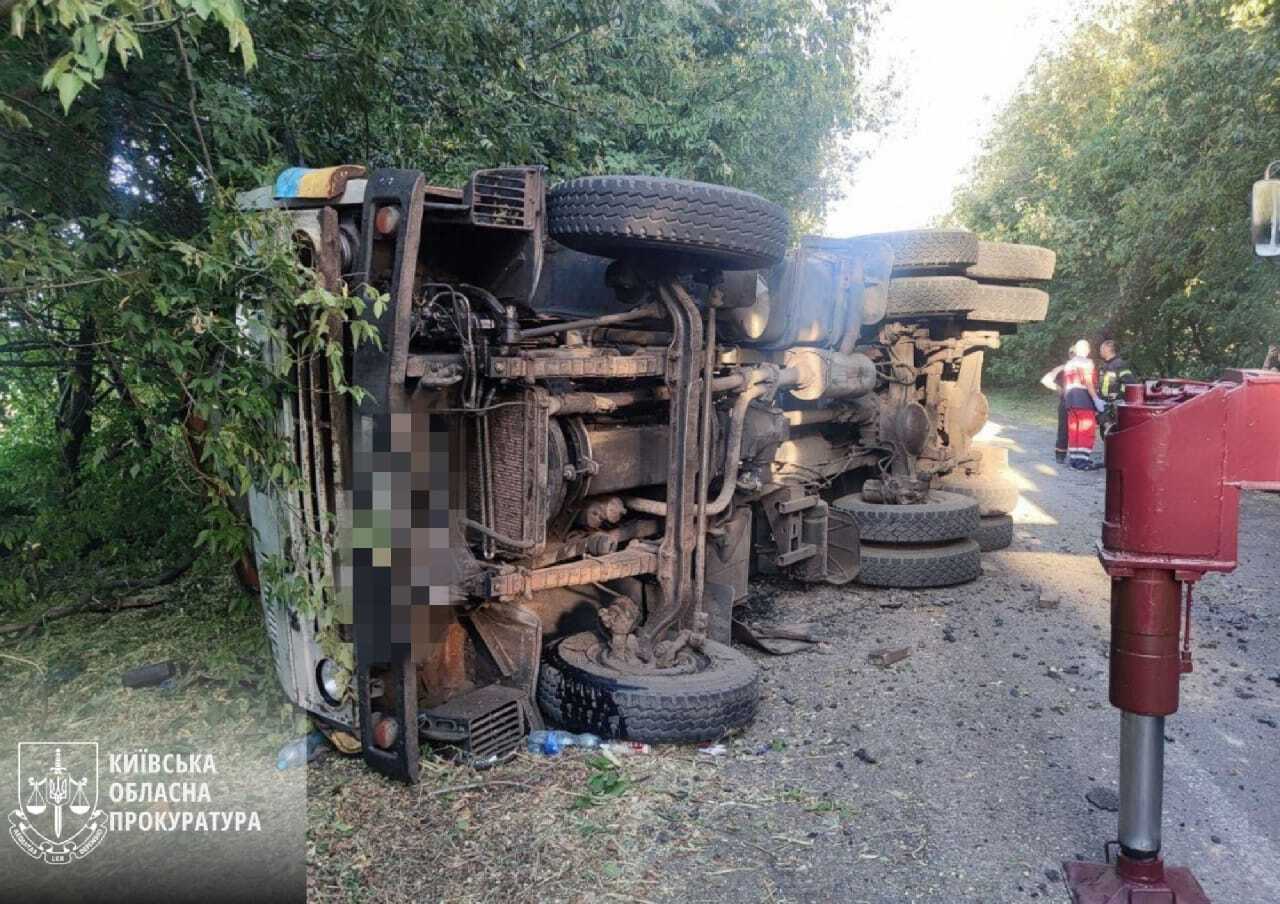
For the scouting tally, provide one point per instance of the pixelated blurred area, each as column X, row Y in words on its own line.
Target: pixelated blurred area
column 402, row 546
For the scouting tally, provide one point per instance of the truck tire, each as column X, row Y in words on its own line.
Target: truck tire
column 911, row 296
column 578, row 693
column 994, row 495
column 994, row 532
column 1007, row 262
column 1010, row 304
column 929, row 565
column 946, row 516
column 671, row 221
column 929, row 249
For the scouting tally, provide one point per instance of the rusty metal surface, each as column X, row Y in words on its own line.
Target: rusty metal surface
column 552, row 413
column 517, row 435
column 513, row 638
column 605, row 363
column 635, row 559
column 628, row 456
column 502, row 198
column 675, row 557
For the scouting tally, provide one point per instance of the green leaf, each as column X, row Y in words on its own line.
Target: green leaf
column 69, row 85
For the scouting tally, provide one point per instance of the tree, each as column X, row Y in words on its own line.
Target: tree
column 1131, row 152
column 129, row 124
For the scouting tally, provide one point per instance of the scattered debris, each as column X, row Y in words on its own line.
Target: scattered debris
column 713, row 750
column 302, row 750
column 1103, row 799
column 1047, row 602
column 156, row 673
column 780, row 640
column 343, row 742
column 861, row 753
column 887, row 657
column 625, row 748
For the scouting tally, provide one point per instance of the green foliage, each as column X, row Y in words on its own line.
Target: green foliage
column 95, row 31
column 1131, row 153
column 604, row 782
column 136, row 404
column 753, row 93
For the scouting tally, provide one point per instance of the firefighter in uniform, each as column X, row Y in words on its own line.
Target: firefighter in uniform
column 1115, row 371
column 1115, row 374
column 1078, row 408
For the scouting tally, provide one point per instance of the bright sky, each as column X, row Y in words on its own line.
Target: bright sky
column 957, row 62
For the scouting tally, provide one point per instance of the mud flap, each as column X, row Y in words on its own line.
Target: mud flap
column 513, row 637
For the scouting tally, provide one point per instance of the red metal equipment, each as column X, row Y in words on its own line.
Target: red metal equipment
column 1180, row 455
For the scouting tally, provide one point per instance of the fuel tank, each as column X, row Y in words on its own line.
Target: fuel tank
column 823, row 292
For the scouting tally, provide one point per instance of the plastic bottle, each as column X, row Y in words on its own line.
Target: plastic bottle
column 550, row 743
column 301, row 750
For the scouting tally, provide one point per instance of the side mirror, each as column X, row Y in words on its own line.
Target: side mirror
column 1266, row 213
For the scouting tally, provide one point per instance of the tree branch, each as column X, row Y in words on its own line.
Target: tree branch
column 49, row 287
column 191, row 103
column 89, row 602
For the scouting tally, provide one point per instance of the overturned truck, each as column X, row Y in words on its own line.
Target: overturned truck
column 595, row 412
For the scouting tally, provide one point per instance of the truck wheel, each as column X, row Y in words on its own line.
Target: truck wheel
column 929, row 249
column 580, row 694
column 929, row 565
column 1010, row 304
column 1007, row 262
column 994, row 532
column 946, row 516
column 994, row 495
column 672, row 221
column 911, row 296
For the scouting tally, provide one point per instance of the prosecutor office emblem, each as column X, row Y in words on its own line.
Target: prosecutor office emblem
column 57, row 819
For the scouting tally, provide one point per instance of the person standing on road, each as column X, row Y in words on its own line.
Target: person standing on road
column 1115, row 374
column 1116, row 371
column 1079, row 406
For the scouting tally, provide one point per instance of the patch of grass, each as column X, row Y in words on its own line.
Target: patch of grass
column 576, row 827
column 1036, row 406
column 65, row 680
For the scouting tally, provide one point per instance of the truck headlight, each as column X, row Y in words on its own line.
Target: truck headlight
column 328, row 680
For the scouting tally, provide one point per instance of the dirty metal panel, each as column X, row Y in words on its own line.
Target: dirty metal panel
column 629, row 456
column 315, row 184
column 517, row 469
column 625, row 564
column 486, row 725
column 641, row 364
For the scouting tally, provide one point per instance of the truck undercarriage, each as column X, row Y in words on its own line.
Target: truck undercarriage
column 593, row 415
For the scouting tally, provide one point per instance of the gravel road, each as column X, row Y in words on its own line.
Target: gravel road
column 961, row 773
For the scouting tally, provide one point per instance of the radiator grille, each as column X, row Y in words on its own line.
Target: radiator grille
column 514, row 499
column 482, row 725
column 501, row 198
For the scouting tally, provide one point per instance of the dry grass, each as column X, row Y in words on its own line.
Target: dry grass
column 576, row 828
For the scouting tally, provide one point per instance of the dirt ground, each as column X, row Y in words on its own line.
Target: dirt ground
column 958, row 775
